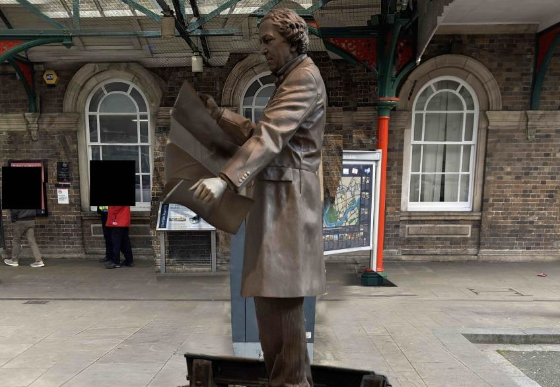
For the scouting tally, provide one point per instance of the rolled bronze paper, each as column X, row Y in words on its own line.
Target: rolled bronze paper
column 197, row 149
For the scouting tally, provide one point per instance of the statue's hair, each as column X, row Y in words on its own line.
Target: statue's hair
column 291, row 26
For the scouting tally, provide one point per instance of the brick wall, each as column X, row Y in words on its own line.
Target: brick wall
column 59, row 234
column 13, row 98
column 510, row 58
column 521, row 192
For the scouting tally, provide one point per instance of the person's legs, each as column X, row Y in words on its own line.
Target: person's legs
column 107, row 237
column 116, row 238
column 33, row 243
column 282, row 334
column 19, row 230
column 127, row 248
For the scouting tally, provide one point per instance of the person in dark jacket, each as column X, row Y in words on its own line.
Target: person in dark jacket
column 119, row 221
column 24, row 223
column 104, row 212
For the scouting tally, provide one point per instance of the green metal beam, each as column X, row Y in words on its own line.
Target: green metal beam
column 205, row 19
column 33, row 43
column 203, row 40
column 182, row 6
column 340, row 52
column 142, row 9
column 386, row 57
column 26, row 34
column 539, row 79
column 37, row 12
column 403, row 73
column 28, row 88
column 76, row 14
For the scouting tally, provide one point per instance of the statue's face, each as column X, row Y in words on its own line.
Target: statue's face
column 275, row 47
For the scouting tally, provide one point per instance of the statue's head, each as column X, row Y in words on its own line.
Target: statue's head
column 283, row 36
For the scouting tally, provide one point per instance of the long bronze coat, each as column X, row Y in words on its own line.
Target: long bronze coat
column 278, row 161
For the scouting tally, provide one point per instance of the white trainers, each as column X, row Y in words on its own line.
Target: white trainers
column 9, row 262
column 37, row 264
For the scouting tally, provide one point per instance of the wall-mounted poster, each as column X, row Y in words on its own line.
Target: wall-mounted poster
column 348, row 223
column 63, row 197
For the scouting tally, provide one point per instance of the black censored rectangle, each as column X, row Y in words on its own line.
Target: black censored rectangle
column 21, row 188
column 112, row 183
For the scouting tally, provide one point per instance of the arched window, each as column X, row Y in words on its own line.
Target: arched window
column 118, row 128
column 443, row 146
column 256, row 96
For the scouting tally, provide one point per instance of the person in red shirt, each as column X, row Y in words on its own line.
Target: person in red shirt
column 119, row 221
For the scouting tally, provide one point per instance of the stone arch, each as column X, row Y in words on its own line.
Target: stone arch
column 88, row 79
column 463, row 67
column 242, row 73
column 487, row 91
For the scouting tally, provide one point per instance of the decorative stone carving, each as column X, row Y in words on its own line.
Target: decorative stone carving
column 33, row 125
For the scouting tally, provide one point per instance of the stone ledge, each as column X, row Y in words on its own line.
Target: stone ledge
column 59, row 121
column 136, row 215
column 13, row 122
column 440, row 216
column 437, row 254
column 438, row 230
column 519, row 255
column 459, row 257
column 136, row 230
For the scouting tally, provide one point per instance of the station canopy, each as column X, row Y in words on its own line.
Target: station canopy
column 129, row 30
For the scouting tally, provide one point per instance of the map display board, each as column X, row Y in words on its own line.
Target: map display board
column 174, row 217
column 348, row 223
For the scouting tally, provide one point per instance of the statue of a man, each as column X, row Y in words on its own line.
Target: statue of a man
column 278, row 161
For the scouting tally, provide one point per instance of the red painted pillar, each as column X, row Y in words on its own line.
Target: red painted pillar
column 385, row 106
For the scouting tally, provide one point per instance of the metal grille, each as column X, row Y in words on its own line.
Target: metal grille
column 190, row 248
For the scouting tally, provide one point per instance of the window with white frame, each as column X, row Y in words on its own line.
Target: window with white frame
column 118, row 128
column 443, row 147
column 256, row 96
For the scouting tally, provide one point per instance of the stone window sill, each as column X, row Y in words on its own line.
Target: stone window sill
column 434, row 215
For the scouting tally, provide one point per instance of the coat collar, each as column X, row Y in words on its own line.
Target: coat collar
column 288, row 67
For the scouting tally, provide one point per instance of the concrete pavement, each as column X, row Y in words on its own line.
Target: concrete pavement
column 131, row 327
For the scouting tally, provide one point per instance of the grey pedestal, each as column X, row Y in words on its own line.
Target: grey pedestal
column 244, row 329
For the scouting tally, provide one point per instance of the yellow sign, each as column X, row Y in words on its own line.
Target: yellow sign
column 50, row 77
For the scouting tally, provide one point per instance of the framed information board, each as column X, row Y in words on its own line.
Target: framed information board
column 174, row 217
column 349, row 224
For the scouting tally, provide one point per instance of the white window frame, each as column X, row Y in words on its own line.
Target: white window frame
column 256, row 78
column 445, row 206
column 140, row 206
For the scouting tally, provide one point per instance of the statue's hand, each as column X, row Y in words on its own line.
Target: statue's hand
column 209, row 190
column 211, row 106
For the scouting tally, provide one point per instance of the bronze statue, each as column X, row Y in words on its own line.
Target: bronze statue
column 278, row 161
